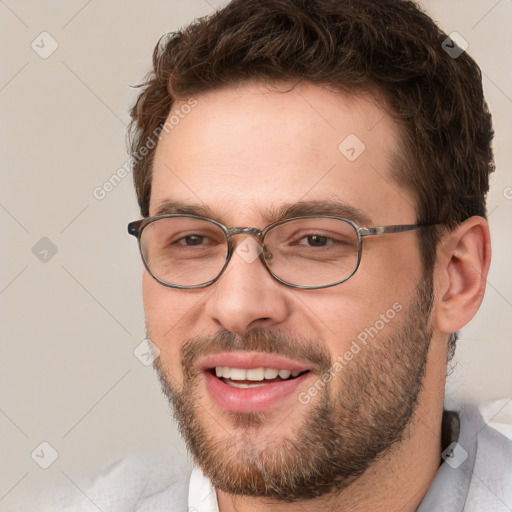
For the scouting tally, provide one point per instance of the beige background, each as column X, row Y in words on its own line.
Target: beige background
column 69, row 325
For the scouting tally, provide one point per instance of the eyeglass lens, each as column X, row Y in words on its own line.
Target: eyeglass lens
column 185, row 251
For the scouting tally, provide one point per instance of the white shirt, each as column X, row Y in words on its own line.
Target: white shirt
column 476, row 478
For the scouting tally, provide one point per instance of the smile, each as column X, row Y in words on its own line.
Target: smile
column 253, row 377
column 252, row 382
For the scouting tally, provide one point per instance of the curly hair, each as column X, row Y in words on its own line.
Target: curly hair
column 389, row 48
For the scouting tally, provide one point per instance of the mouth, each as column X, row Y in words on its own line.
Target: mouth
column 242, row 378
column 252, row 382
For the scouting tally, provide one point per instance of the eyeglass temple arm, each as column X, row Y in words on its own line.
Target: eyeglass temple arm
column 385, row 230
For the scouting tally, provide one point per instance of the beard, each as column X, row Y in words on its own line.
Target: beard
column 358, row 417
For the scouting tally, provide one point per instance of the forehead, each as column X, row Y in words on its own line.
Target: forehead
column 246, row 150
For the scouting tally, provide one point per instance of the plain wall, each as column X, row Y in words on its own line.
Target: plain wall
column 69, row 325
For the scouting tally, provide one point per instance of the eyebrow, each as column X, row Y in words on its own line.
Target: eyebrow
column 274, row 214
column 168, row 207
column 327, row 207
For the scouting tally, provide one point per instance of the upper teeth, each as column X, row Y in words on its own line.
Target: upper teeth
column 252, row 373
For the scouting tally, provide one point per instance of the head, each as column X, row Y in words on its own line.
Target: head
column 245, row 117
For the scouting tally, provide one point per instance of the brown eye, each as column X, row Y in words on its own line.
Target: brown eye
column 317, row 240
column 191, row 240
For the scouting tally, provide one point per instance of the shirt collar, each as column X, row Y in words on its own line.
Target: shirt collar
column 448, row 490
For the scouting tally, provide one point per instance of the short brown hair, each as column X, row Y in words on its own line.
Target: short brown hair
column 387, row 47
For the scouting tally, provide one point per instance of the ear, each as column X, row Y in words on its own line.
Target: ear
column 463, row 259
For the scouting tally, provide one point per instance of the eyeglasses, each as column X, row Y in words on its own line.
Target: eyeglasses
column 312, row 252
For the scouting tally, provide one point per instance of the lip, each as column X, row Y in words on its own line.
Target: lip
column 251, row 400
column 246, row 360
column 248, row 400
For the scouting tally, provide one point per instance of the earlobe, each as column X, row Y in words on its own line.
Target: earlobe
column 461, row 273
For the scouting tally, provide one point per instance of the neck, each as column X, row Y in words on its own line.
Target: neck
column 397, row 481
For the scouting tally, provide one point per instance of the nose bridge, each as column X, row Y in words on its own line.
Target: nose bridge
column 246, row 295
column 244, row 231
column 246, row 250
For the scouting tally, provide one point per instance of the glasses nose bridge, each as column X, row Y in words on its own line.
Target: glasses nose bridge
column 244, row 231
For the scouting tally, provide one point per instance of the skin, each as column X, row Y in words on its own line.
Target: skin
column 245, row 150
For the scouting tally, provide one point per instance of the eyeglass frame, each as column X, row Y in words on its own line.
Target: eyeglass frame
column 136, row 227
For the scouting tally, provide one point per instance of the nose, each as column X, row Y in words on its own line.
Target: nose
column 246, row 295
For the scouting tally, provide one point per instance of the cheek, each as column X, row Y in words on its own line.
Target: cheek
column 166, row 313
column 338, row 317
column 364, row 308
column 154, row 306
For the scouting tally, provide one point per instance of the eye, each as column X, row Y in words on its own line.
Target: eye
column 315, row 241
column 201, row 239
column 191, row 240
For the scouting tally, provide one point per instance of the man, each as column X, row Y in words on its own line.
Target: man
column 312, row 179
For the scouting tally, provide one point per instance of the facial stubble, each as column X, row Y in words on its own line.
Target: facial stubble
column 361, row 414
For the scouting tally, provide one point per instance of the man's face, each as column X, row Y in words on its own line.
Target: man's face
column 245, row 154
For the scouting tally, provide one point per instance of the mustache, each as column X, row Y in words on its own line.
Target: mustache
column 255, row 340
